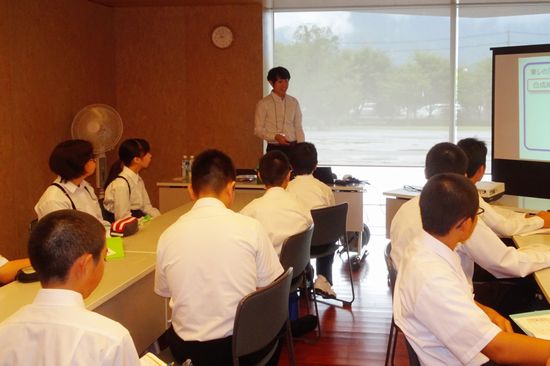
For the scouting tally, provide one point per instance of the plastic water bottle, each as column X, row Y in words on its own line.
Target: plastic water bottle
column 190, row 164
column 184, row 165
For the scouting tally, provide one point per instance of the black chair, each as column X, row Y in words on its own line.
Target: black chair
column 259, row 319
column 330, row 227
column 394, row 329
column 295, row 254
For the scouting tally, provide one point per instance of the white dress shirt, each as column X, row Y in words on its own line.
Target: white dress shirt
column 275, row 115
column 83, row 197
column 281, row 214
column 207, row 261
column 120, row 202
column 434, row 306
column 483, row 247
column 311, row 192
column 57, row 330
column 507, row 223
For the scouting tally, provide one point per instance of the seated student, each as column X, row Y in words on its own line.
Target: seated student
column 483, row 247
column 8, row 269
column 67, row 249
column 313, row 194
column 433, row 302
column 125, row 193
column 207, row 261
column 505, row 223
column 279, row 211
column 73, row 161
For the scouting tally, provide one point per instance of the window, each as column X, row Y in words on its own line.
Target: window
column 375, row 85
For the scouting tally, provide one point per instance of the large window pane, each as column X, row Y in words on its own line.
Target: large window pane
column 374, row 86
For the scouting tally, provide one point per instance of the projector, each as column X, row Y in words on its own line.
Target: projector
column 490, row 191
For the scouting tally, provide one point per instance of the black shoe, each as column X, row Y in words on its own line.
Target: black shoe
column 303, row 325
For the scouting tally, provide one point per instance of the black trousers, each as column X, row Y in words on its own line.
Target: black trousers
column 217, row 352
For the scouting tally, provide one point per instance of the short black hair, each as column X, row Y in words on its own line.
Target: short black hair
column 60, row 238
column 211, row 170
column 303, row 158
column 445, row 157
column 476, row 151
column 274, row 167
column 69, row 158
column 446, row 199
column 277, row 73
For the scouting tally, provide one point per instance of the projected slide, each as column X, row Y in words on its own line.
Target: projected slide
column 534, row 108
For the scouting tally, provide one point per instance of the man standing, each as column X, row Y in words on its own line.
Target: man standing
column 278, row 118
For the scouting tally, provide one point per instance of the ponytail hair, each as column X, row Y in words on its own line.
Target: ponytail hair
column 127, row 151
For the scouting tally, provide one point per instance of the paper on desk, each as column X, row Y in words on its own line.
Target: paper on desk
column 150, row 359
column 535, row 323
column 534, row 232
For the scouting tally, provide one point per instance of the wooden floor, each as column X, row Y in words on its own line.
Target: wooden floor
column 356, row 335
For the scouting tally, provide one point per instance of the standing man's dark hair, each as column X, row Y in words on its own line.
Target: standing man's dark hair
column 445, row 157
column 278, row 73
column 446, row 199
column 274, row 168
column 303, row 158
column 476, row 151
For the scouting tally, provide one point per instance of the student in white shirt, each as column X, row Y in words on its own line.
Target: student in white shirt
column 505, row 223
column 483, row 247
column 313, row 194
column 125, row 193
column 8, row 269
column 73, row 161
column 207, row 261
column 279, row 211
column 67, row 249
column 433, row 301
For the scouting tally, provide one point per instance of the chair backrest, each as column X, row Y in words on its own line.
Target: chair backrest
column 260, row 317
column 392, row 271
column 295, row 251
column 329, row 224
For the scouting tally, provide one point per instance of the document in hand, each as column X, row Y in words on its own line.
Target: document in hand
column 535, row 323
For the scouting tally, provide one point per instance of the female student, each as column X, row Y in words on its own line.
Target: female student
column 73, row 161
column 125, row 193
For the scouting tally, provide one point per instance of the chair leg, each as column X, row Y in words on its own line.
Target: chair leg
column 392, row 342
column 290, row 344
column 350, row 272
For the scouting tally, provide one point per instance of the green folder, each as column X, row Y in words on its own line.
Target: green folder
column 534, row 323
column 115, row 248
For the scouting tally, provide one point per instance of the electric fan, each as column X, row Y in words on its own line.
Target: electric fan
column 102, row 126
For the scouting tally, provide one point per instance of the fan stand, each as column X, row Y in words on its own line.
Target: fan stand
column 101, row 174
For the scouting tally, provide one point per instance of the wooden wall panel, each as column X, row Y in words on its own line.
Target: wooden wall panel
column 57, row 56
column 178, row 91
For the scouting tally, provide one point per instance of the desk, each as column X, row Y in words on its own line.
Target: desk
column 173, row 193
column 395, row 198
column 125, row 282
column 125, row 293
column 543, row 276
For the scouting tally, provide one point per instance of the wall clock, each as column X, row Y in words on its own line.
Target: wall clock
column 222, row 36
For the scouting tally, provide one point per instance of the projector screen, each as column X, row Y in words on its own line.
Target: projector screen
column 521, row 119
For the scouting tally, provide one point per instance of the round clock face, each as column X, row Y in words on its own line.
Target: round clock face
column 222, row 36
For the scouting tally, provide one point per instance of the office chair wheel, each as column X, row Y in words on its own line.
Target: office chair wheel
column 355, row 262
